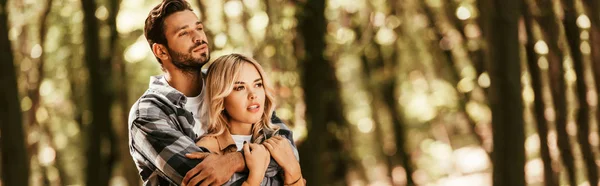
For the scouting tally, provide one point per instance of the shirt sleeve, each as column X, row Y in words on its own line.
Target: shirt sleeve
column 273, row 167
column 164, row 147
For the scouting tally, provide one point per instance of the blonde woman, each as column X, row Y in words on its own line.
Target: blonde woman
column 240, row 105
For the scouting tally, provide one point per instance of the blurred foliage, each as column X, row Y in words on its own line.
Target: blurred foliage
column 413, row 80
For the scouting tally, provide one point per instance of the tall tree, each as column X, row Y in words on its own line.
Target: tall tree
column 34, row 93
column 551, row 30
column 115, row 59
column 99, row 163
column 15, row 165
column 592, row 9
column 546, row 17
column 381, row 84
column 550, row 176
column 508, row 156
column 583, row 131
column 324, row 157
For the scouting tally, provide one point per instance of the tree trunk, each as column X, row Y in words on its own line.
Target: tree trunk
column 99, row 162
column 508, row 154
column 592, row 8
column 383, row 95
column 15, row 165
column 572, row 32
column 390, row 98
column 34, row 94
column 324, row 157
column 120, row 149
column 453, row 73
column 476, row 56
column 551, row 31
column 550, row 176
column 399, row 130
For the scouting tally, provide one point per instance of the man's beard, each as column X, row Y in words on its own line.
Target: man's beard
column 188, row 63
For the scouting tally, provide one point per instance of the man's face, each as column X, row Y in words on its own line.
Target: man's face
column 186, row 41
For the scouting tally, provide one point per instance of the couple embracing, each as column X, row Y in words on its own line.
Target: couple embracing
column 206, row 128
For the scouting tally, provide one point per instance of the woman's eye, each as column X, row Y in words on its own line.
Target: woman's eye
column 239, row 88
column 259, row 85
column 199, row 28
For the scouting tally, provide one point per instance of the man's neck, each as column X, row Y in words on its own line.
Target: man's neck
column 188, row 83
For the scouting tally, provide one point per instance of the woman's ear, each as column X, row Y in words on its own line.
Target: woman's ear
column 160, row 51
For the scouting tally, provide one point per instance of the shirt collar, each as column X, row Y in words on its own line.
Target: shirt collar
column 225, row 140
column 160, row 86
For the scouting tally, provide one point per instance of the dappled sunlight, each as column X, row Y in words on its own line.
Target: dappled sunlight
column 378, row 93
column 471, row 159
column 138, row 51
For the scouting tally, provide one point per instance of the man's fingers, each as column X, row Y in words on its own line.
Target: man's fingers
column 191, row 173
column 199, row 178
column 208, row 181
column 197, row 155
column 216, row 182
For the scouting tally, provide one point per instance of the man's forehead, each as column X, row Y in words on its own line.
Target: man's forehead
column 180, row 19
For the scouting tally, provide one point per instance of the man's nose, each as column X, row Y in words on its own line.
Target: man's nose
column 197, row 37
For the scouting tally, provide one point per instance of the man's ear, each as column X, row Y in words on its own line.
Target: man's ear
column 160, row 51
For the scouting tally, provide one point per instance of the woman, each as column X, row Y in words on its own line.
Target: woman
column 240, row 105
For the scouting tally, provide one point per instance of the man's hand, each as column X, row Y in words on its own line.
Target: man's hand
column 213, row 170
column 197, row 155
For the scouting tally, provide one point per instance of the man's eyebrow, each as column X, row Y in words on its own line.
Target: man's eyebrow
column 183, row 27
column 187, row 26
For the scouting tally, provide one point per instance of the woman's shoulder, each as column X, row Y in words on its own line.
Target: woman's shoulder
column 210, row 143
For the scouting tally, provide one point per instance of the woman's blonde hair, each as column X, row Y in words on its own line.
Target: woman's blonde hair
column 220, row 80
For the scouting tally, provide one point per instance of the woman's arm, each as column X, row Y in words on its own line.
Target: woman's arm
column 281, row 150
column 257, row 159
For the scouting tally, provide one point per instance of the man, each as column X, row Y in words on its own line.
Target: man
column 165, row 122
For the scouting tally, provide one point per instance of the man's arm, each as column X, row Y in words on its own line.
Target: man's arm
column 193, row 177
column 163, row 147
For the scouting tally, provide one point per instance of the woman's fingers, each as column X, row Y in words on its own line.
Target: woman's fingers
column 279, row 137
column 246, row 148
column 253, row 146
column 268, row 146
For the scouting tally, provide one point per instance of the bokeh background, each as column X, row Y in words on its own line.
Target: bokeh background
column 378, row 92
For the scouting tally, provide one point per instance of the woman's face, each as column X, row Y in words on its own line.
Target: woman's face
column 245, row 104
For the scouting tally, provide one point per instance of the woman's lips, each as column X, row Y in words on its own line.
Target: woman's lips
column 253, row 107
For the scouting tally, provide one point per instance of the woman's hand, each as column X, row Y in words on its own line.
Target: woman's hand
column 282, row 152
column 257, row 161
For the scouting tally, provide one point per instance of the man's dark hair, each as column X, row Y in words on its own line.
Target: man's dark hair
column 154, row 29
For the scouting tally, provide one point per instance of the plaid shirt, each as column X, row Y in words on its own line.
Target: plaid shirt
column 161, row 133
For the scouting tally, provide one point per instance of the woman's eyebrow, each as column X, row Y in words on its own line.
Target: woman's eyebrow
column 241, row 82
